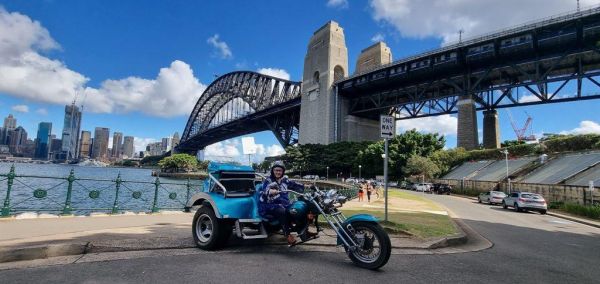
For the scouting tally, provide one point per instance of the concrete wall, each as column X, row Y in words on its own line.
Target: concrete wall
column 550, row 192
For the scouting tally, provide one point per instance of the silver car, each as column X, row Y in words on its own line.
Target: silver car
column 524, row 201
column 491, row 197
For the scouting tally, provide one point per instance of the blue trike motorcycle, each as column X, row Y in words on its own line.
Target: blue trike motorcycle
column 228, row 205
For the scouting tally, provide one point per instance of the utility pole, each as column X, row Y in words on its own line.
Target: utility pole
column 460, row 32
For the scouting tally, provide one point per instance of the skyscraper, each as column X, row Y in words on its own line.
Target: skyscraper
column 18, row 139
column 166, row 144
column 43, row 140
column 117, row 144
column 128, row 148
column 100, row 146
column 175, row 140
column 85, row 144
column 10, row 123
column 70, row 134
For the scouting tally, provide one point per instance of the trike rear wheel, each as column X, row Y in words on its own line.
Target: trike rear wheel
column 208, row 231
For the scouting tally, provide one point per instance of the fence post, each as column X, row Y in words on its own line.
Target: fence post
column 187, row 196
column 156, row 185
column 9, row 183
column 70, row 179
column 118, row 181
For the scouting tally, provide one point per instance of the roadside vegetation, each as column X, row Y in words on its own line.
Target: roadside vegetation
column 592, row 212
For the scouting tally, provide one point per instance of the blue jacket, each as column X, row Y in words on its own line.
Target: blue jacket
column 281, row 198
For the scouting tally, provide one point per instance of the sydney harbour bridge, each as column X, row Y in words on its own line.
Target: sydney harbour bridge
column 553, row 60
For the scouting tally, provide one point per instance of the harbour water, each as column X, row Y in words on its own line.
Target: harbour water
column 45, row 187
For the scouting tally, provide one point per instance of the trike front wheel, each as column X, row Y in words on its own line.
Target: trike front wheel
column 207, row 229
column 374, row 245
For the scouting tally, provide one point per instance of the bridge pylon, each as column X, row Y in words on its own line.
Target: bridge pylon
column 324, row 117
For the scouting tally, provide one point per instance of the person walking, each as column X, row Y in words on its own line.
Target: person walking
column 369, row 191
column 361, row 192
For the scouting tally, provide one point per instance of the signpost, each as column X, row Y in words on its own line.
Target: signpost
column 388, row 128
column 592, row 190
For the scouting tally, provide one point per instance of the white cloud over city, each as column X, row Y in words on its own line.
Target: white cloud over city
column 231, row 150
column 21, row 108
column 442, row 124
column 24, row 67
column 444, row 18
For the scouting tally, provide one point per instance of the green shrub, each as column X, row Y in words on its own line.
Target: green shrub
column 581, row 210
column 487, row 154
column 465, row 191
column 572, row 143
column 556, row 205
column 522, row 150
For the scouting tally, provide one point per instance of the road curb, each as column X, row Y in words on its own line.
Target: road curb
column 454, row 240
column 43, row 251
column 574, row 219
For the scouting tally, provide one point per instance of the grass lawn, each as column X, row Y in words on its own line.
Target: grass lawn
column 421, row 224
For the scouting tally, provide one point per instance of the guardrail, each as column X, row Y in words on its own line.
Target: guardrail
column 74, row 195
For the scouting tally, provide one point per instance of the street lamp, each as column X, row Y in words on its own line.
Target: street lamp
column 359, row 167
column 505, row 152
column 327, row 172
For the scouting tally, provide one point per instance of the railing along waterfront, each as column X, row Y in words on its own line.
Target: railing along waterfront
column 76, row 195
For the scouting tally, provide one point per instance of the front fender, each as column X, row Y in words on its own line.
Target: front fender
column 356, row 218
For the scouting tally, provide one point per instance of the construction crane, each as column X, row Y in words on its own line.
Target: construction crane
column 522, row 132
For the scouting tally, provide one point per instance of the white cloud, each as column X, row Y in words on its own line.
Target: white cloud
column 221, row 46
column 275, row 72
column 337, row 3
column 528, row 98
column 20, row 108
column 224, row 149
column 378, row 37
column 23, row 70
column 42, row 111
column 139, row 143
column 585, row 127
column 174, row 92
column 442, row 124
column 444, row 18
column 274, row 150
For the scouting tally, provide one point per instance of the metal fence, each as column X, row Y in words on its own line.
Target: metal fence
column 75, row 195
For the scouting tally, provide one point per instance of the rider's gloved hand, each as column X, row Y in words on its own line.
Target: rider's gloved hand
column 273, row 191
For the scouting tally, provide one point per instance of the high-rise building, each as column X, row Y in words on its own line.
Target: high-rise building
column 117, row 144
column 55, row 148
column 70, row 134
column 128, row 146
column 100, row 145
column 175, row 140
column 43, row 140
column 3, row 135
column 166, row 144
column 18, row 139
column 155, row 149
column 85, row 145
column 10, row 123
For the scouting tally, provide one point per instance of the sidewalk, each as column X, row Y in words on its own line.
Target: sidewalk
column 27, row 239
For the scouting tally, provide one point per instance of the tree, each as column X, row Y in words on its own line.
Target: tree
column 448, row 159
column 417, row 165
column 411, row 143
column 178, row 162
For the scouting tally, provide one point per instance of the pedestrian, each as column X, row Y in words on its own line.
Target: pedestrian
column 361, row 192
column 369, row 190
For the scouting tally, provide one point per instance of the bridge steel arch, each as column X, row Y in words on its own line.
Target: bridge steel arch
column 274, row 104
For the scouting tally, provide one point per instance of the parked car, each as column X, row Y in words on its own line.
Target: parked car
column 311, row 177
column 524, row 201
column 441, row 188
column 423, row 186
column 491, row 197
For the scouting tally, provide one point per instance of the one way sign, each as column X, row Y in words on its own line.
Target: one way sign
column 387, row 126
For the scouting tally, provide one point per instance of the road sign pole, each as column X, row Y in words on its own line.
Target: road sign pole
column 385, row 178
column 592, row 191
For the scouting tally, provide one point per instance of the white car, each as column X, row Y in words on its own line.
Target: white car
column 491, row 197
column 423, row 186
column 524, row 201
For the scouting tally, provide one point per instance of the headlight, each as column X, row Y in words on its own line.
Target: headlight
column 341, row 199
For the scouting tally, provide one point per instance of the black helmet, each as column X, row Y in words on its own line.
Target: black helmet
column 277, row 164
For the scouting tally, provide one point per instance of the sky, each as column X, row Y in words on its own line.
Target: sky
column 138, row 67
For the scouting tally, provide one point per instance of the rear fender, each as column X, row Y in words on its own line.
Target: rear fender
column 356, row 218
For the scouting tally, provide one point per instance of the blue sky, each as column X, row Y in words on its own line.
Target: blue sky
column 110, row 50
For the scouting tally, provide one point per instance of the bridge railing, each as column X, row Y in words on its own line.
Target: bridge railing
column 570, row 15
column 74, row 195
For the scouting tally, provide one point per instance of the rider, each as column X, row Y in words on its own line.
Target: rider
column 274, row 200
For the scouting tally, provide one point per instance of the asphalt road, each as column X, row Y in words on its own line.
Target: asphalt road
column 528, row 248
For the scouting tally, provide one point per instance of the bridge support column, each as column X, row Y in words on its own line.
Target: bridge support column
column 491, row 129
column 467, row 124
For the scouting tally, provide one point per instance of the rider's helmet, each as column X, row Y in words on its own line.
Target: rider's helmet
column 277, row 164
